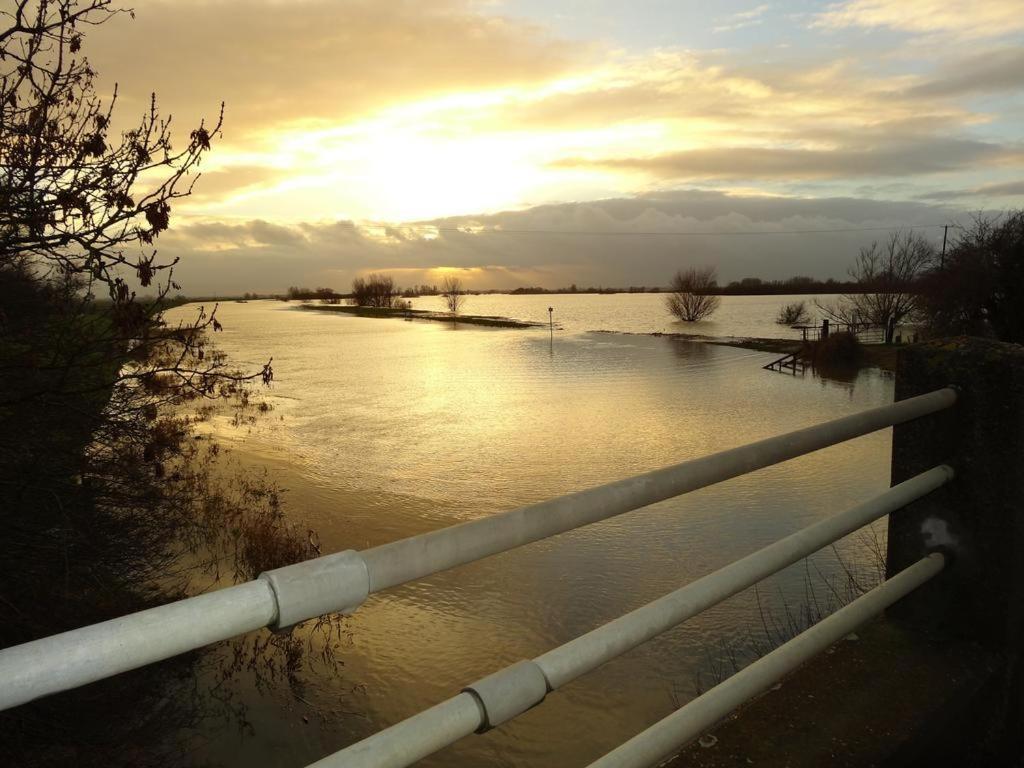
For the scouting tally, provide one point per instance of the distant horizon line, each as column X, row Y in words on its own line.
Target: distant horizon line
column 743, row 287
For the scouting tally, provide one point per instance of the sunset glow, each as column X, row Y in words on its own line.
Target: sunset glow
column 507, row 383
column 381, row 114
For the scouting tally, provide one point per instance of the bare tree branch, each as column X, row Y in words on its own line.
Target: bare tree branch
column 690, row 299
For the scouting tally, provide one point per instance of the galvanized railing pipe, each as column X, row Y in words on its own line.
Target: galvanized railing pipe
column 520, row 686
column 342, row 581
column 80, row 656
column 664, row 738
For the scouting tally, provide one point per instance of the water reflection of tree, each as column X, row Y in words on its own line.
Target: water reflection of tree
column 690, row 351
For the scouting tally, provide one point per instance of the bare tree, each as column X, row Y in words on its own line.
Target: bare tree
column 103, row 489
column 454, row 294
column 374, row 291
column 691, row 298
column 889, row 277
column 793, row 314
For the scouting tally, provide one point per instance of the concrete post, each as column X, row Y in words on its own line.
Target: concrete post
column 979, row 517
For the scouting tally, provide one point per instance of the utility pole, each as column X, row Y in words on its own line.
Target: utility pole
column 942, row 260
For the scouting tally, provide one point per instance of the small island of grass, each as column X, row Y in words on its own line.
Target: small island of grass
column 421, row 314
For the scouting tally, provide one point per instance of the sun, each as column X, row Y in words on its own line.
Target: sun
column 428, row 160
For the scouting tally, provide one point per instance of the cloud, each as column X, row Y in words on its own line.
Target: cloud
column 961, row 19
column 742, row 19
column 1000, row 189
column 1006, row 188
column 717, row 99
column 358, row 110
column 620, row 241
column 924, row 155
column 990, row 72
column 315, row 60
column 405, row 110
column 232, row 180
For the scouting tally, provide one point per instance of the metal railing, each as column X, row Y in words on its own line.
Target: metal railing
column 663, row 738
column 866, row 333
column 342, row 581
column 516, row 688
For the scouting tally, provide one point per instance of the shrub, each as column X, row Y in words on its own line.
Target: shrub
column 978, row 288
column 838, row 356
column 794, row 314
column 690, row 299
column 374, row 291
column 453, row 293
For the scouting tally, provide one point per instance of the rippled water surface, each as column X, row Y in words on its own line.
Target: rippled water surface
column 384, row 428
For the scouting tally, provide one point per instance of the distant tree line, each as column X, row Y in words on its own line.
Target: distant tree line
column 975, row 286
column 745, row 287
column 800, row 284
column 305, row 294
column 529, row 290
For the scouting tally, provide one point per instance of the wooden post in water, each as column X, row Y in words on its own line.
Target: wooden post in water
column 551, row 323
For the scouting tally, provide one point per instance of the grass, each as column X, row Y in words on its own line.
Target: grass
column 823, row 594
column 420, row 314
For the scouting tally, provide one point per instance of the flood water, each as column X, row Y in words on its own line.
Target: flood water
column 750, row 316
column 383, row 429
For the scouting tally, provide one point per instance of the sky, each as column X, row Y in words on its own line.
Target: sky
column 548, row 142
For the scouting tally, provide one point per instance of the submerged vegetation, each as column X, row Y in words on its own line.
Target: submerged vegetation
column 839, row 356
column 692, row 294
column 377, row 291
column 454, row 295
column 794, row 313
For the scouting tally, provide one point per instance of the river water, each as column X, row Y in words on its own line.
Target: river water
column 749, row 316
column 382, row 429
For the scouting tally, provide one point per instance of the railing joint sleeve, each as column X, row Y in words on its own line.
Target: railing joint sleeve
column 336, row 583
column 509, row 692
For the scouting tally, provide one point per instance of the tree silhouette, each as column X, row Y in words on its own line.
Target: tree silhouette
column 374, row 290
column 888, row 276
column 978, row 289
column 454, row 294
column 690, row 299
column 103, row 489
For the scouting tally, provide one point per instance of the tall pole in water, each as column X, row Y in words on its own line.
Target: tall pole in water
column 551, row 324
